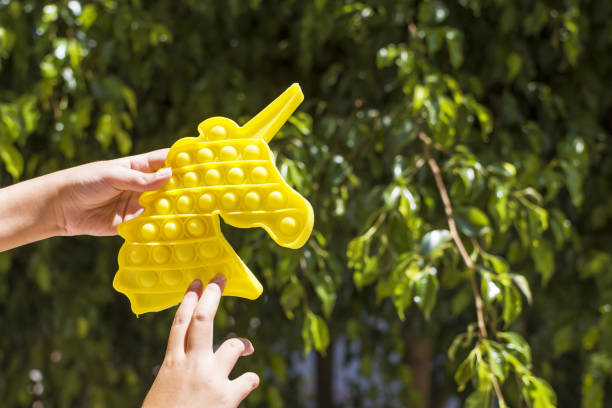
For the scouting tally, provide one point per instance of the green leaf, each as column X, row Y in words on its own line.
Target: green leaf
column 517, row 345
column 11, row 124
column 408, row 203
column 434, row 242
column 420, row 95
column 514, row 63
column 320, row 5
column 475, row 216
column 130, row 99
column 489, row 288
column 432, row 12
column 302, row 121
column 497, row 361
column 12, row 160
column 82, row 327
column 479, row 399
column 560, row 227
column 563, row 339
column 391, row 196
column 594, row 263
column 512, row 304
column 590, row 338
column 325, row 290
column 465, row 372
column 75, row 53
column 447, row 110
column 426, row 289
column 105, row 130
column 43, row 275
column 544, row 260
column 471, row 221
column 499, row 264
column 124, row 142
column 539, row 393
column 319, row 332
column 30, row 114
column 573, row 181
column 521, row 282
column 538, row 222
column 593, row 390
column 66, row 145
column 498, row 206
column 484, row 117
column 402, row 296
column 306, row 334
column 7, row 42
column 460, row 302
column 483, row 372
column 459, row 341
column 274, row 397
column 454, row 42
column 435, row 37
column 536, row 20
column 48, row 67
column 290, row 298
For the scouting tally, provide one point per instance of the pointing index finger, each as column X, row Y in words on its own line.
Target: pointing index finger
column 200, row 335
column 176, row 341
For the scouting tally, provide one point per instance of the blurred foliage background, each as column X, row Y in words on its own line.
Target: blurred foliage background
column 500, row 295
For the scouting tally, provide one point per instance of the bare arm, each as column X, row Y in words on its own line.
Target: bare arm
column 90, row 199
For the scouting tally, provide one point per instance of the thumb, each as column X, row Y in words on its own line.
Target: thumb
column 134, row 180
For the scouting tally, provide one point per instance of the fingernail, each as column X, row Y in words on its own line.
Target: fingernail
column 165, row 172
column 247, row 343
column 219, row 279
column 196, row 286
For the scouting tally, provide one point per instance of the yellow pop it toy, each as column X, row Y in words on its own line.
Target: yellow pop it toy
column 228, row 171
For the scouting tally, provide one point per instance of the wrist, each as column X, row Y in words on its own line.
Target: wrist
column 55, row 213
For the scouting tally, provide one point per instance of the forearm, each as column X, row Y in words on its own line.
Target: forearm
column 29, row 211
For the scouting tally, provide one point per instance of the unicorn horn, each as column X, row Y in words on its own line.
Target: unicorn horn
column 267, row 122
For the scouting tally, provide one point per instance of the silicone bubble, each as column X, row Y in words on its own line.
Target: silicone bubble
column 226, row 171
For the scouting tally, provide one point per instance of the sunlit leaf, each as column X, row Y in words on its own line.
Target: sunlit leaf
column 434, row 242
column 12, row 160
column 319, row 332
column 420, row 95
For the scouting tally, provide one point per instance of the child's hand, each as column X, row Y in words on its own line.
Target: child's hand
column 97, row 197
column 192, row 375
column 90, row 199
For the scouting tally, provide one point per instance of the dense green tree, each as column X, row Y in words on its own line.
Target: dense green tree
column 457, row 155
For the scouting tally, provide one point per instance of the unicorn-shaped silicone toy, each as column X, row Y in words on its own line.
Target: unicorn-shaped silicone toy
column 227, row 171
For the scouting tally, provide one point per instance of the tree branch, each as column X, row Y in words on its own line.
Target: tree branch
column 448, row 210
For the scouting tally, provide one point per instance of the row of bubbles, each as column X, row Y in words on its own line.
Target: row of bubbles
column 171, row 278
column 173, row 254
column 174, row 228
column 218, row 176
column 217, row 154
column 230, row 201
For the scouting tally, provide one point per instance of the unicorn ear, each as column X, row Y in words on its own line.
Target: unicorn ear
column 273, row 117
